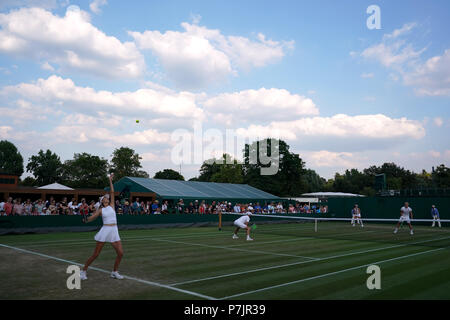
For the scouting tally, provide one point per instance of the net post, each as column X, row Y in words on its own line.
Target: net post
column 220, row 220
column 315, row 225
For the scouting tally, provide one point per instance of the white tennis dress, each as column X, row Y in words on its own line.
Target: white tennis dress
column 108, row 233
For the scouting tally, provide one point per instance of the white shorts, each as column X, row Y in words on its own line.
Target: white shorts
column 240, row 225
column 107, row 234
column 404, row 219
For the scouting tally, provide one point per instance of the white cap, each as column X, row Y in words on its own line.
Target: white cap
column 249, row 213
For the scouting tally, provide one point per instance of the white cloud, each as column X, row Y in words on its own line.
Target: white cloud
column 326, row 158
column 96, row 4
column 438, row 121
column 431, row 78
column 63, row 93
column 428, row 78
column 259, row 105
column 47, row 66
column 376, row 126
column 45, row 4
column 199, row 56
column 71, row 42
column 399, row 32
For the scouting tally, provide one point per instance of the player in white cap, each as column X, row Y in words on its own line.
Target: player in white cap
column 405, row 215
column 242, row 223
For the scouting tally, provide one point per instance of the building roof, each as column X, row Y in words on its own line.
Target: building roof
column 175, row 189
column 55, row 186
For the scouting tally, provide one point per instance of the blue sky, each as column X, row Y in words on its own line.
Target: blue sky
column 75, row 75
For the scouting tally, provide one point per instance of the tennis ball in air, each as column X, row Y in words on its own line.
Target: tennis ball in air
column 137, row 121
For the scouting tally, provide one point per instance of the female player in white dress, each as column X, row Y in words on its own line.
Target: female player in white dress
column 108, row 233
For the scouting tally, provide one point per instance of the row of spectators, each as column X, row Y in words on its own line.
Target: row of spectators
column 137, row 207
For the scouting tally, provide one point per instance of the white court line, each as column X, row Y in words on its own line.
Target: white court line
column 304, row 262
column 302, row 238
column 156, row 284
column 329, row 274
column 234, row 249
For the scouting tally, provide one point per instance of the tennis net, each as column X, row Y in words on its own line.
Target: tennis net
column 370, row 230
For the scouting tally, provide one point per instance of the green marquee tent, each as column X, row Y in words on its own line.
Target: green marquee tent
column 193, row 190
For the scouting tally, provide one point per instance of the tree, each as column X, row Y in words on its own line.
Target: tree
column 230, row 171
column 11, row 161
column 45, row 167
column 396, row 177
column 441, row 177
column 168, row 174
column 86, row 171
column 28, row 182
column 208, row 169
column 313, row 182
column 126, row 163
column 288, row 179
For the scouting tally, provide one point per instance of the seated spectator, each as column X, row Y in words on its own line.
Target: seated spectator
column 202, row 208
column 279, row 208
column 271, row 208
column 73, row 208
column 8, row 207
column 63, row 208
column 92, row 208
column 17, row 208
column 155, row 206
column 165, row 207
column 180, row 206
column 52, row 208
column 196, row 207
column 117, row 206
column 44, row 211
column 135, row 207
column 2, row 208
column 126, row 208
column 291, row 209
column 257, row 208
column 27, row 207
column 237, row 208
column 83, row 208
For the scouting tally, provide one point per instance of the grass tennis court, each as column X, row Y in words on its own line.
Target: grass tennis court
column 285, row 261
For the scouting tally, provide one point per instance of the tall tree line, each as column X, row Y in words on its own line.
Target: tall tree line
column 291, row 179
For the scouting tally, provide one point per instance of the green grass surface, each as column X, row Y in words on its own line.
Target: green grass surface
column 285, row 261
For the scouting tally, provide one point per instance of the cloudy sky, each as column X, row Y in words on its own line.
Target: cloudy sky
column 76, row 75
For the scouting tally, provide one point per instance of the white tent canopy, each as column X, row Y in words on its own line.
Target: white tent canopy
column 331, row 194
column 55, row 186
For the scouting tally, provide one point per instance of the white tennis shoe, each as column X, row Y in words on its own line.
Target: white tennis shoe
column 116, row 275
column 235, row 236
column 249, row 239
column 83, row 275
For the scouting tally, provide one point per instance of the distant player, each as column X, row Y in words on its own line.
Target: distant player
column 435, row 215
column 356, row 216
column 242, row 223
column 405, row 216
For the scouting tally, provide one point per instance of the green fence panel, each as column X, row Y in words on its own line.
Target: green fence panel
column 389, row 207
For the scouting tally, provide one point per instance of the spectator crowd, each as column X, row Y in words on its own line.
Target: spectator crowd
column 137, row 207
